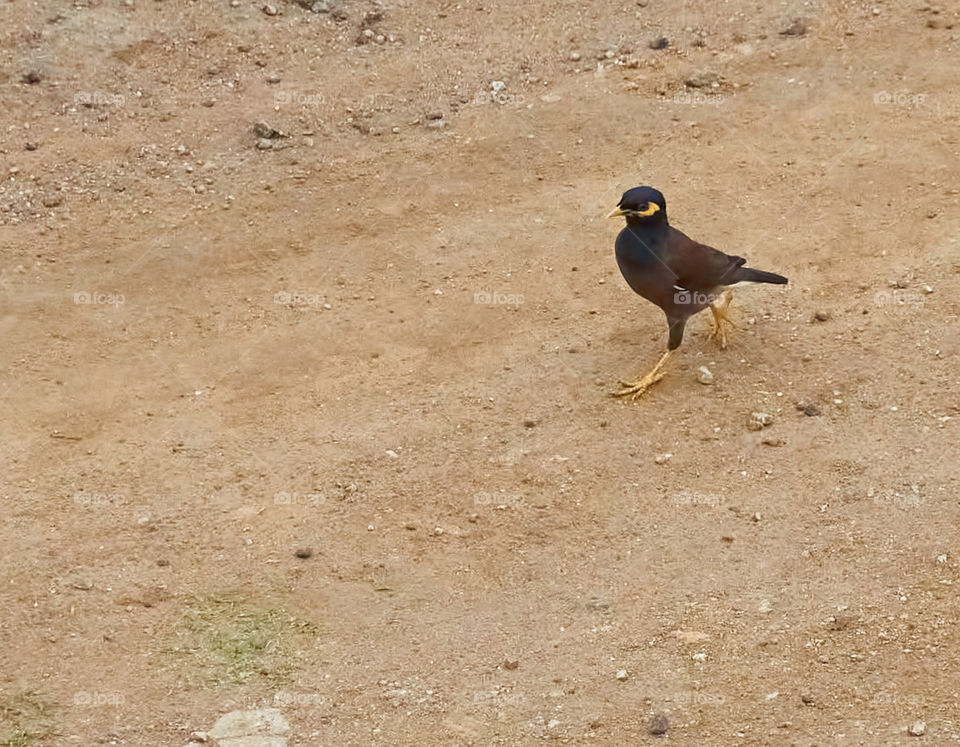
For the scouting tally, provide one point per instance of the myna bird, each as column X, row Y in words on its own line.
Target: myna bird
column 676, row 273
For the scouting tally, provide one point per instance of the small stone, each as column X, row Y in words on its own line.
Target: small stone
column 807, row 699
column 52, row 200
column 702, row 79
column 303, row 552
column 759, row 420
column 622, row 675
column 270, row 10
column 661, row 42
column 553, row 723
column 529, row 423
column 659, row 723
column 699, row 658
column 392, row 454
column 662, row 458
column 797, row 28
column 264, row 144
column 438, row 531
column 821, row 316
column 765, row 607
column 704, row 375
column 917, row 729
column 263, row 130
column 32, row 77
column 927, row 289
column 511, row 664
column 575, row 56
column 434, row 115
column 773, row 441
column 811, row 410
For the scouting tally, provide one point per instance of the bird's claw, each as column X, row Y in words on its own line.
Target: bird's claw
column 636, row 389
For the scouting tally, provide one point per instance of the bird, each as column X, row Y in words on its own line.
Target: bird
column 678, row 274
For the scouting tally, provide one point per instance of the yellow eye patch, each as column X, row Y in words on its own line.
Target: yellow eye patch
column 652, row 207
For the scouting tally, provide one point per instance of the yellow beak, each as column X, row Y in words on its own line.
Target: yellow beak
column 650, row 209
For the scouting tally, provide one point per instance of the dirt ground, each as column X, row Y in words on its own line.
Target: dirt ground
column 314, row 415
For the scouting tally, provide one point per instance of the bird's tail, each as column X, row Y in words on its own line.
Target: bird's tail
column 749, row 275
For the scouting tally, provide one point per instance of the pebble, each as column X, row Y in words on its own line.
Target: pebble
column 759, row 420
column 575, row 57
column 811, row 410
column 807, row 699
column 797, row 28
column 622, row 675
column 702, row 79
column 773, row 441
column 660, row 43
column 264, row 144
column 659, row 723
column 434, row 115
column 265, row 131
column 917, row 729
column 303, row 552
column 270, row 10
column 662, row 458
column 704, row 375
column 821, row 316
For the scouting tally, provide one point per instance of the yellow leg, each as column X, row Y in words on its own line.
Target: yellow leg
column 637, row 389
column 719, row 310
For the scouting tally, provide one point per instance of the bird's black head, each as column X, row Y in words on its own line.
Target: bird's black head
column 642, row 205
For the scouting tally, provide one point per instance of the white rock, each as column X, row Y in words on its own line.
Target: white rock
column 266, row 725
column 622, row 675
column 917, row 729
column 704, row 375
column 662, row 458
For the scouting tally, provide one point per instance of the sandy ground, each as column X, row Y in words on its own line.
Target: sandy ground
column 383, row 336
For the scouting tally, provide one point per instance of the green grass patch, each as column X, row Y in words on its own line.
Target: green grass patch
column 26, row 719
column 227, row 639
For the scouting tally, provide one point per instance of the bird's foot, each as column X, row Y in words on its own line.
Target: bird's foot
column 636, row 389
column 721, row 322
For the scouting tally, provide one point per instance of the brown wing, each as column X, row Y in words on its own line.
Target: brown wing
column 699, row 267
